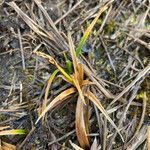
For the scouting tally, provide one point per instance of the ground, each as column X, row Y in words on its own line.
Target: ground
column 117, row 52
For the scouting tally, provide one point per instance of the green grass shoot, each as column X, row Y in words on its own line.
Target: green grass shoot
column 89, row 30
column 12, row 132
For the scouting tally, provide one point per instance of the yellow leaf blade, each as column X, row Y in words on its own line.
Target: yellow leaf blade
column 94, row 146
column 148, row 137
column 81, row 128
column 63, row 77
column 80, row 73
column 92, row 98
column 66, row 75
column 77, row 85
column 86, row 82
column 4, row 127
column 57, row 100
column 78, row 68
column 52, row 61
column 7, row 146
column 12, row 132
column 76, row 147
column 73, row 53
column 49, row 82
column 89, row 29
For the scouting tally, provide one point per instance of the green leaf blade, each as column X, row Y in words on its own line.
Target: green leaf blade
column 12, row 132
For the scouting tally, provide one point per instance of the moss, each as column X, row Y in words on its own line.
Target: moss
column 133, row 20
column 145, row 88
column 2, row 117
column 121, row 37
column 110, row 28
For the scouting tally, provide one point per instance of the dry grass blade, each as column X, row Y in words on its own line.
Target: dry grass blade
column 145, row 98
column 43, row 55
column 101, row 108
column 78, row 68
column 35, row 27
column 81, row 73
column 140, row 75
column 49, row 82
column 139, row 139
column 86, row 82
column 77, row 85
column 73, row 54
column 7, row 146
column 76, row 147
column 148, row 137
column 89, row 73
column 52, row 61
column 21, row 49
column 47, row 16
column 89, row 29
column 56, row 101
column 81, row 128
column 5, row 127
column 94, row 146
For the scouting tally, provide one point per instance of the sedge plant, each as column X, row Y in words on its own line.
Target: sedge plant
column 79, row 86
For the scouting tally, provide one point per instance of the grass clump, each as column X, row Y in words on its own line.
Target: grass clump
column 79, row 85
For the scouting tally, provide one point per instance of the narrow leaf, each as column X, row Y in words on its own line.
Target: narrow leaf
column 6, row 146
column 66, row 75
column 91, row 75
column 33, row 25
column 89, row 29
column 86, row 82
column 4, row 127
column 148, row 137
column 12, row 132
column 94, row 146
column 80, row 74
column 76, row 147
column 92, row 97
column 81, row 129
column 49, row 82
column 52, row 61
column 73, row 53
column 63, row 77
column 69, row 66
column 57, row 100
column 77, row 85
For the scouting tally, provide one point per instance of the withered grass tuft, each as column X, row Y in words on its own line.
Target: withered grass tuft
column 79, row 85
